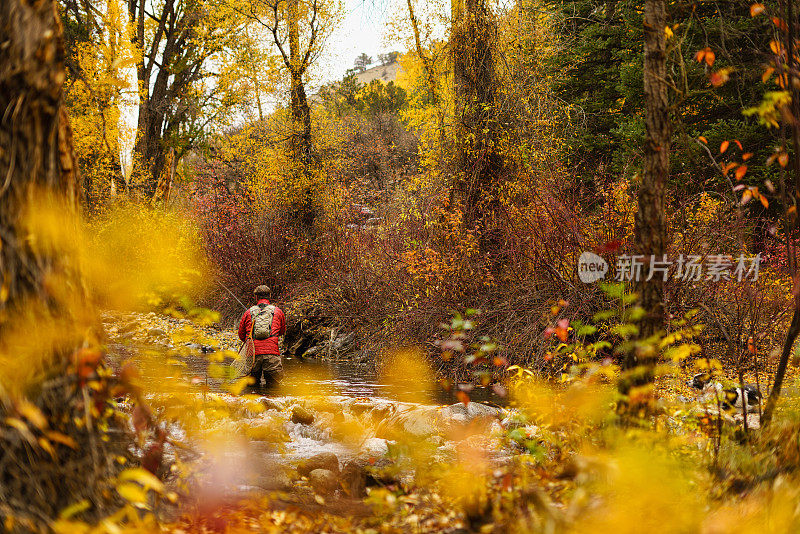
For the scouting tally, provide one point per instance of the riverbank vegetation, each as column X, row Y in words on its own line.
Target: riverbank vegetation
column 585, row 212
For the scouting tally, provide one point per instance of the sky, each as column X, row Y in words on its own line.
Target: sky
column 362, row 31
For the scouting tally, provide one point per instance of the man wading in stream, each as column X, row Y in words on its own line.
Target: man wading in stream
column 265, row 323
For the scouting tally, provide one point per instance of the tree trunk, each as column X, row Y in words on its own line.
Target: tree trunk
column 301, row 122
column 650, row 228
column 794, row 327
column 164, row 73
column 479, row 165
column 150, row 153
column 300, row 142
column 35, row 138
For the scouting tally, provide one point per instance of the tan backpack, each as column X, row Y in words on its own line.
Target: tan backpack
column 262, row 321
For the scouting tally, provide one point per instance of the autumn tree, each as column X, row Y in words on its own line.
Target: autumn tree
column 297, row 28
column 428, row 59
column 651, row 224
column 600, row 40
column 388, row 58
column 479, row 165
column 54, row 462
column 35, row 138
column 99, row 87
column 182, row 45
column 184, row 55
column 784, row 105
column 363, row 61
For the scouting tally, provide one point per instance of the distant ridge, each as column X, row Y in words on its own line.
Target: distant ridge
column 385, row 73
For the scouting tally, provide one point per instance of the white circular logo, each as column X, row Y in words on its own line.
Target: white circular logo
column 591, row 267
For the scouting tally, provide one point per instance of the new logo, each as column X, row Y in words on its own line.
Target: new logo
column 591, row 267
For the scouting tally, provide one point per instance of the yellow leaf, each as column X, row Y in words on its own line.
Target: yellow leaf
column 132, row 493
column 22, row 428
column 32, row 414
column 46, row 445
column 74, row 509
column 237, row 387
column 143, row 477
column 63, row 439
column 668, row 32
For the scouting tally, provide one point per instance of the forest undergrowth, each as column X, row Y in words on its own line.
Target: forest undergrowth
column 586, row 210
column 564, row 456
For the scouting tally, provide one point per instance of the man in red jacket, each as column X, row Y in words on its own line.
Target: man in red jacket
column 265, row 323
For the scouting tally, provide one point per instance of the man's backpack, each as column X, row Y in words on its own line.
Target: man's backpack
column 262, row 320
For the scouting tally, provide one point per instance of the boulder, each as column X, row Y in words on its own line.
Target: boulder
column 276, row 481
column 271, row 404
column 461, row 413
column 420, row 422
column 128, row 327
column 301, row 415
column 375, row 447
column 354, row 478
column 382, row 411
column 324, row 460
column 156, row 332
column 323, row 481
column 359, row 473
column 360, row 407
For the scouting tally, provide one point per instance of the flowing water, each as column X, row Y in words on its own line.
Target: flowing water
column 344, row 377
column 357, row 379
column 329, row 389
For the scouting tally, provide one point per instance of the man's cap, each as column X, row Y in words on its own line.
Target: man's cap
column 261, row 290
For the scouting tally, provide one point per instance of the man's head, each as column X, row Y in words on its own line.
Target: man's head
column 261, row 292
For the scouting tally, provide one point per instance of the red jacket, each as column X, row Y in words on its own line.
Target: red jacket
column 269, row 345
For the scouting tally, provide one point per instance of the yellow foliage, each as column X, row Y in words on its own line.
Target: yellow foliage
column 97, row 97
column 408, row 376
column 643, row 490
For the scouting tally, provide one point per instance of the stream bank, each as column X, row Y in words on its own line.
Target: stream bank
column 333, row 428
column 316, row 356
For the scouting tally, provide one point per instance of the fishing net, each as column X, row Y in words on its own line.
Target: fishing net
column 244, row 363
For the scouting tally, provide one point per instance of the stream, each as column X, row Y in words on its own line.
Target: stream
column 336, row 393
column 356, row 379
